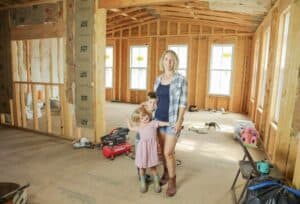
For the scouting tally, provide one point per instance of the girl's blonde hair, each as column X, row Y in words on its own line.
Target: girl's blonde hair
column 175, row 58
column 138, row 113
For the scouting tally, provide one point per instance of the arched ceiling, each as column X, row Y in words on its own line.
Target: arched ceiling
column 242, row 14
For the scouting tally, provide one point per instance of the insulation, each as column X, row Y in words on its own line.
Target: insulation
column 84, row 21
column 37, row 14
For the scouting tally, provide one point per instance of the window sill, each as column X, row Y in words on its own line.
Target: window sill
column 219, row 95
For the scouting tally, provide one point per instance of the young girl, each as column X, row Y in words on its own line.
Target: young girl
column 146, row 155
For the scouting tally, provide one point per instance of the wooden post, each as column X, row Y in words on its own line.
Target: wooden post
column 296, row 178
column 23, row 105
column 62, row 109
column 11, row 106
column 295, row 38
column 2, row 120
column 99, row 90
column 48, row 111
column 16, row 90
column 34, row 107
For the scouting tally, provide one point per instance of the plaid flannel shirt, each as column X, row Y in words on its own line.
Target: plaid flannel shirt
column 178, row 95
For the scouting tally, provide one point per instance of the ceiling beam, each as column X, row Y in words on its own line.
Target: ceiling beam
column 29, row 3
column 110, row 4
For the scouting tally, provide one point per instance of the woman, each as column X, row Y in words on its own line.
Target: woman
column 171, row 92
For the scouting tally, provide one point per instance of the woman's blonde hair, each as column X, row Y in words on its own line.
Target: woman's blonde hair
column 175, row 58
column 137, row 113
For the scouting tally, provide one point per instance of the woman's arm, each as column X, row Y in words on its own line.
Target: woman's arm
column 182, row 106
column 161, row 123
column 180, row 119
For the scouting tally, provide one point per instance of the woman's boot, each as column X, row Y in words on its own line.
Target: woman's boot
column 165, row 177
column 157, row 187
column 143, row 187
column 171, row 191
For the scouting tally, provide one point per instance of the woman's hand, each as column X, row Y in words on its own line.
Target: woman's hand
column 178, row 126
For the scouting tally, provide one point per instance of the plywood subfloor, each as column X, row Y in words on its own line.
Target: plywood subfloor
column 60, row 174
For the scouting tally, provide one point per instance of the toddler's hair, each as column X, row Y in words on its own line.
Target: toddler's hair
column 137, row 113
column 151, row 95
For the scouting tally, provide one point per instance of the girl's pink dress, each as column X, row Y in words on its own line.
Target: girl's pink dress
column 146, row 151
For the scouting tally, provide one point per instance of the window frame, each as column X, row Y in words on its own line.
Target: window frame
column 130, row 68
column 280, row 65
column 231, row 70
column 255, row 69
column 187, row 56
column 264, row 68
column 112, row 68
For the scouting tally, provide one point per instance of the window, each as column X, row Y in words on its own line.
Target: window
column 109, row 66
column 265, row 67
column 255, row 66
column 283, row 46
column 138, row 67
column 221, row 61
column 182, row 53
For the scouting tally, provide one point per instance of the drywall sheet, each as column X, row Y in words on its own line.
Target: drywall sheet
column 84, row 31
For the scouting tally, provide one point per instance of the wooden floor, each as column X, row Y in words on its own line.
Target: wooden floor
column 60, row 174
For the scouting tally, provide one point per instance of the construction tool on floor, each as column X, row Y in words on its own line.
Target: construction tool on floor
column 112, row 151
column 13, row 193
column 115, row 143
column 83, row 142
column 115, row 137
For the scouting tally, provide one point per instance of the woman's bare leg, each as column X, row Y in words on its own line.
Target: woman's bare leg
column 165, row 176
column 169, row 151
column 169, row 154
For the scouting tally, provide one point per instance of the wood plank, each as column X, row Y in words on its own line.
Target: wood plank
column 23, row 105
column 11, row 108
column 34, row 107
column 38, row 31
column 36, row 83
column 131, row 3
column 62, row 109
column 48, row 110
column 289, row 88
column 21, row 4
column 296, row 176
column 171, row 11
column 99, row 100
column 2, row 119
column 269, row 94
column 17, row 108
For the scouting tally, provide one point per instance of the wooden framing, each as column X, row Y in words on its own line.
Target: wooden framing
column 129, row 23
column 160, row 33
column 280, row 144
column 126, row 3
column 38, row 31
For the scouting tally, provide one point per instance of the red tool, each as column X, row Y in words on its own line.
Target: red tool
column 112, row 151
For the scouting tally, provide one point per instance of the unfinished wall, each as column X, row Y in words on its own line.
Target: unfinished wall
column 279, row 141
column 158, row 35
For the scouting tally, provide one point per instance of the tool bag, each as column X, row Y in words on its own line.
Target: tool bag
column 265, row 189
column 115, row 137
